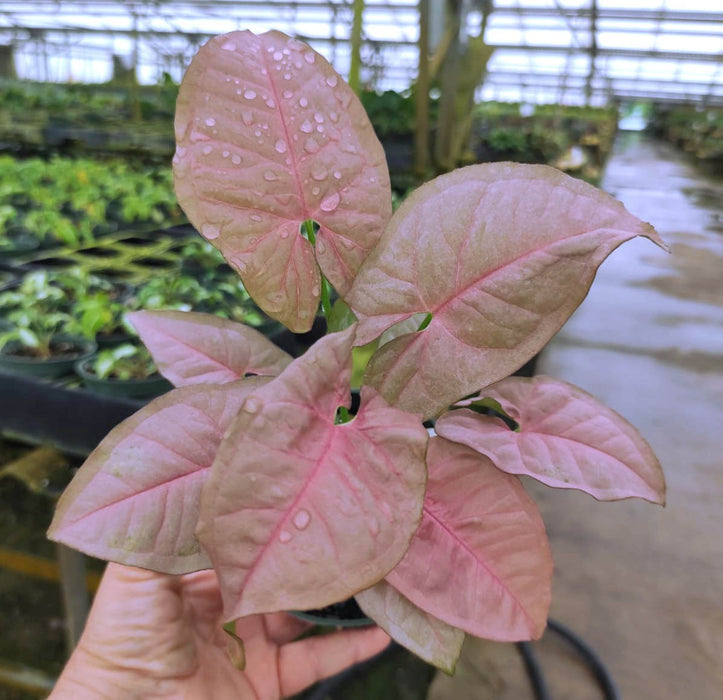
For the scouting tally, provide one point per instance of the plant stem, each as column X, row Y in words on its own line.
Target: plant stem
column 325, row 286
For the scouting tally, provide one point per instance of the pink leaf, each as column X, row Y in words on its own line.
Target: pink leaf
column 268, row 136
column 195, row 348
column 500, row 255
column 424, row 635
column 566, row 439
column 136, row 498
column 301, row 512
column 480, row 560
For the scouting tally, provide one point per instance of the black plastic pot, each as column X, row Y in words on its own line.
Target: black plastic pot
column 155, row 385
column 68, row 349
column 344, row 614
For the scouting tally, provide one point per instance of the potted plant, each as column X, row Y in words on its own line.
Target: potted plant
column 126, row 370
column 266, row 475
column 39, row 337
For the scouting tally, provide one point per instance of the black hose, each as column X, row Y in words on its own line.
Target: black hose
column 602, row 675
column 534, row 671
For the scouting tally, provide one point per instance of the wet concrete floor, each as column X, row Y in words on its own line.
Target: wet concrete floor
column 643, row 585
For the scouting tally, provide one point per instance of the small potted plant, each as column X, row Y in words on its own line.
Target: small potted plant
column 38, row 337
column 265, row 473
column 126, row 370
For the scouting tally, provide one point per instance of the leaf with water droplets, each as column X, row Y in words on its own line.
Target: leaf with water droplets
column 423, row 634
column 492, row 570
column 300, row 511
column 500, row 255
column 195, row 348
column 269, row 109
column 136, row 498
column 566, row 439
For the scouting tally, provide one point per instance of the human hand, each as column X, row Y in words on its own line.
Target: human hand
column 152, row 635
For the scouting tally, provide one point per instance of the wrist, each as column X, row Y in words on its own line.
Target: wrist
column 90, row 678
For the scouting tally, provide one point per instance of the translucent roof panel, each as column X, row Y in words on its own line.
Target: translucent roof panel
column 544, row 50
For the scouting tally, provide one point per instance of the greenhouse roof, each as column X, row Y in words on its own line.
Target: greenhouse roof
column 569, row 51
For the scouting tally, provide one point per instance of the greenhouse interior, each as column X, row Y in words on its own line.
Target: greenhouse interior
column 305, row 310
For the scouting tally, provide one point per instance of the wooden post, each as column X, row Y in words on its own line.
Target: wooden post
column 356, row 32
column 421, row 131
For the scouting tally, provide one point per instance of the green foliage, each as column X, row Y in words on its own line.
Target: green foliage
column 69, row 201
column 123, row 363
column 697, row 130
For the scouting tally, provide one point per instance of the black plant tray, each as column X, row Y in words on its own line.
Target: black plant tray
column 132, row 254
column 72, row 420
column 75, row 420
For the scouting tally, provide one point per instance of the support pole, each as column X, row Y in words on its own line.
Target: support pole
column 356, row 34
column 421, row 131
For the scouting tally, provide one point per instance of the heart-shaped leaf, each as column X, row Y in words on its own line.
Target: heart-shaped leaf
column 136, row 498
column 492, row 567
column 424, row 635
column 566, row 439
column 301, row 511
column 269, row 136
column 500, row 255
column 195, row 348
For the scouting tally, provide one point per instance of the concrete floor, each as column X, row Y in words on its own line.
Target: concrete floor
column 643, row 585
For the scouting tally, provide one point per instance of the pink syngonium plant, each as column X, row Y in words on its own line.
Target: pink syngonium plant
column 254, row 466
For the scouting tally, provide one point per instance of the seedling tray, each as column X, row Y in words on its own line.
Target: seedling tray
column 132, row 256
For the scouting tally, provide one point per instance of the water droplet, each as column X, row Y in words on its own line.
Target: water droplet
column 318, row 117
column 344, row 98
column 337, row 175
column 372, row 179
column 348, row 148
column 331, row 202
column 310, row 145
column 270, row 176
column 180, row 151
column 309, row 57
column 280, row 146
column 255, row 217
column 334, row 116
column 249, row 94
column 225, row 154
column 373, row 524
column 270, row 103
column 315, row 191
column 207, row 150
column 210, row 121
column 302, row 519
column 319, row 172
column 285, row 233
column 236, row 160
column 228, row 46
column 284, row 536
column 331, row 81
column 348, row 244
column 210, row 231
column 248, row 116
column 303, row 102
column 287, row 76
column 288, row 94
column 320, row 245
column 315, row 290
column 278, row 55
column 303, row 313
column 307, row 127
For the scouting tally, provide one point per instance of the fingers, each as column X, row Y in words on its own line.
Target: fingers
column 282, row 628
column 305, row 662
